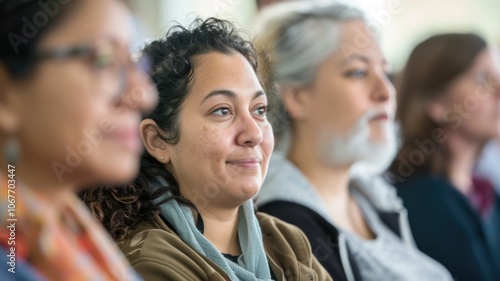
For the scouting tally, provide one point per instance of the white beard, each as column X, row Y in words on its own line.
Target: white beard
column 368, row 158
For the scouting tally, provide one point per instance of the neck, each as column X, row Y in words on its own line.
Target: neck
column 221, row 229
column 460, row 166
column 38, row 177
column 330, row 182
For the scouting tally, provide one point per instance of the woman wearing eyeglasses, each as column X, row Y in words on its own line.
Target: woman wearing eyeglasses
column 71, row 97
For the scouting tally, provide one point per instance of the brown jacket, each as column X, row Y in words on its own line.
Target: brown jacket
column 157, row 253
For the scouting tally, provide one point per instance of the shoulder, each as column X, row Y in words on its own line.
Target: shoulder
column 431, row 188
column 157, row 253
column 284, row 237
column 269, row 223
column 283, row 233
column 312, row 224
column 142, row 244
column 285, row 208
column 287, row 245
column 434, row 203
column 428, row 187
column 296, row 214
column 423, row 181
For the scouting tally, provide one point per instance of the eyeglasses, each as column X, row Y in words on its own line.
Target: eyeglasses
column 109, row 65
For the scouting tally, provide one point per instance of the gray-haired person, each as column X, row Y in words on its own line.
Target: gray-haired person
column 336, row 136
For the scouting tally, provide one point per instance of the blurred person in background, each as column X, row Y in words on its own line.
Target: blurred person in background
column 190, row 215
column 261, row 4
column 71, row 98
column 489, row 160
column 488, row 163
column 338, row 107
column 448, row 108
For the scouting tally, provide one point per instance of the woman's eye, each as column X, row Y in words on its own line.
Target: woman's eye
column 102, row 61
column 357, row 73
column 261, row 111
column 223, row 111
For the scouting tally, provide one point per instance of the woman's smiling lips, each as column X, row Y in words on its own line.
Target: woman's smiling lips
column 247, row 163
column 127, row 137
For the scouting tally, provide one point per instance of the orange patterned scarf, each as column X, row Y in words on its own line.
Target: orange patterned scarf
column 61, row 242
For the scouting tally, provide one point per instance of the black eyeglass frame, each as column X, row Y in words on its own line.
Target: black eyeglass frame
column 137, row 61
column 84, row 51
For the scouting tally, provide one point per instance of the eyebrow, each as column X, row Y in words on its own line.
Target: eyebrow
column 362, row 58
column 230, row 94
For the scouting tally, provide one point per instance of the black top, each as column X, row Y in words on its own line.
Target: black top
column 448, row 229
column 322, row 235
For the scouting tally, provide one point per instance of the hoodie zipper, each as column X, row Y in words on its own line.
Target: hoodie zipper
column 344, row 257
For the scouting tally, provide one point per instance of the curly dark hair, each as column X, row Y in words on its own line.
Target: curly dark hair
column 120, row 208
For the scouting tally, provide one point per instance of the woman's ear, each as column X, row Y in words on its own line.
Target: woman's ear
column 296, row 102
column 154, row 144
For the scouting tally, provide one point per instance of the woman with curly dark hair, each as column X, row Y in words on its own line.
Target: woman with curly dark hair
column 190, row 215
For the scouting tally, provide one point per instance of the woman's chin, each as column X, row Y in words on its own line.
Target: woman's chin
column 119, row 170
column 250, row 189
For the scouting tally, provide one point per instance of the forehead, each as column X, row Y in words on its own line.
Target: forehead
column 356, row 38
column 216, row 70
column 92, row 20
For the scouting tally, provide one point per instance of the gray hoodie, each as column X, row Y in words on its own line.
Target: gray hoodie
column 285, row 182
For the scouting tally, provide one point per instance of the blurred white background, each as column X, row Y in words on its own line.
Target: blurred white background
column 404, row 23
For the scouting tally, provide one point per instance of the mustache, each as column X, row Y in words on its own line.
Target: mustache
column 373, row 113
column 355, row 145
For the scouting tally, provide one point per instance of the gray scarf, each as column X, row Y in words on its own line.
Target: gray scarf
column 252, row 264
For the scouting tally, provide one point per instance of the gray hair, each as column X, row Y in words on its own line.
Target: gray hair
column 300, row 36
column 294, row 39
